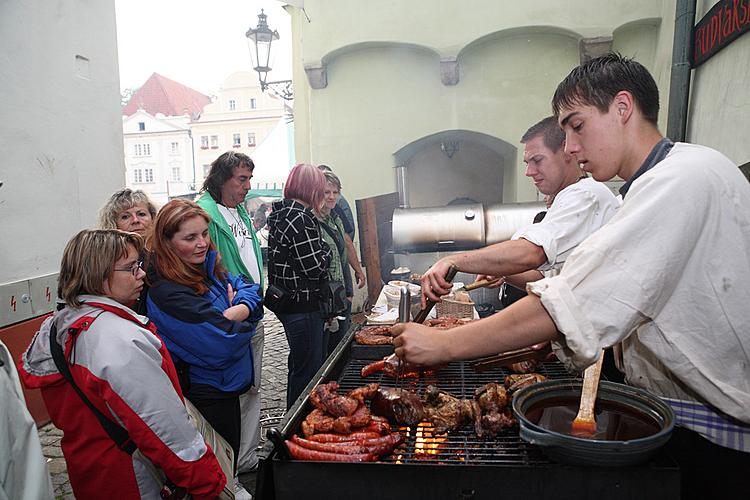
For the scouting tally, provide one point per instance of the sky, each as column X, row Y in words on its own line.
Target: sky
column 198, row 43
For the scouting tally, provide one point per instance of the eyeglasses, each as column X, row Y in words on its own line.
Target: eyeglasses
column 132, row 269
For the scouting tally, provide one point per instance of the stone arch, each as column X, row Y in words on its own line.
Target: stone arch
column 317, row 74
column 517, row 31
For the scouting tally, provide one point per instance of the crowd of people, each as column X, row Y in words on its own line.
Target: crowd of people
column 159, row 307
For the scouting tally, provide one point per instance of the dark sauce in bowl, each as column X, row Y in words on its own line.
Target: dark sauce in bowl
column 614, row 422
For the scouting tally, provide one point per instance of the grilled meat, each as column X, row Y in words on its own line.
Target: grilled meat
column 317, row 421
column 527, row 366
column 398, row 405
column 363, row 393
column 389, row 367
column 356, row 450
column 491, row 412
column 326, row 398
column 446, row 412
column 299, row 452
column 374, row 335
column 521, row 380
column 360, row 418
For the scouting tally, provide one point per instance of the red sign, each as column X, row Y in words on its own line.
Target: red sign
column 726, row 20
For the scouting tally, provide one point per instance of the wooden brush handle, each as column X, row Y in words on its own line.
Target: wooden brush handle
column 480, row 284
column 590, row 388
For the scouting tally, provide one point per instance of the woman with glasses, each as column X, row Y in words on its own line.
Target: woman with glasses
column 122, row 367
column 205, row 315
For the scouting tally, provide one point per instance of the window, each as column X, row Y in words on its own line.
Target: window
column 204, row 142
column 176, row 174
column 142, row 150
column 141, row 126
column 137, row 175
column 236, row 141
column 214, row 142
column 174, row 148
column 253, row 103
column 232, row 104
column 148, row 175
column 206, row 170
column 251, row 138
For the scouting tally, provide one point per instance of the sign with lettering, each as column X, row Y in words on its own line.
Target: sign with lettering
column 726, row 21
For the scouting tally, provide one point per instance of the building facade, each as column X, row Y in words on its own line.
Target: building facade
column 439, row 94
column 159, row 155
column 239, row 119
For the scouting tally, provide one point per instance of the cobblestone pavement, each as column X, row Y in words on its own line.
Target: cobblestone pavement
column 273, row 397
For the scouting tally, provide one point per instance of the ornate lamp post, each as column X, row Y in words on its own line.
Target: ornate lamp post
column 259, row 41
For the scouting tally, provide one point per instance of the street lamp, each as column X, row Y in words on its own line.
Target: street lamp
column 259, row 41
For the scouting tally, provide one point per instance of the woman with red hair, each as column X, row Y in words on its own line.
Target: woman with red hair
column 205, row 315
column 298, row 261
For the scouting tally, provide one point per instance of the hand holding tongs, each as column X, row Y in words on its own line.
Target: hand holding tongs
column 430, row 304
column 404, row 312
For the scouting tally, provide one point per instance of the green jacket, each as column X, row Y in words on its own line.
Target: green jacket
column 224, row 240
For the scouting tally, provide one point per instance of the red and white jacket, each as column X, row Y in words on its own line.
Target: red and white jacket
column 122, row 366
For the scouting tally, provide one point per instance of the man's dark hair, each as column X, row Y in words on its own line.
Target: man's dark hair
column 221, row 171
column 550, row 130
column 596, row 82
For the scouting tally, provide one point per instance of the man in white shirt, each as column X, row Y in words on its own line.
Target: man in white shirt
column 668, row 276
column 226, row 187
column 581, row 206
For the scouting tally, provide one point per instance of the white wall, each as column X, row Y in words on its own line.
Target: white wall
column 60, row 132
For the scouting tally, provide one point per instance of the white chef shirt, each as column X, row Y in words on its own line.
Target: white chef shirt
column 577, row 211
column 669, row 276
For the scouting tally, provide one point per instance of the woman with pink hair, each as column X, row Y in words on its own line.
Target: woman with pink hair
column 298, row 261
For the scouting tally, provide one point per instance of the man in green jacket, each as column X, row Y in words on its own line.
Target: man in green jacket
column 232, row 232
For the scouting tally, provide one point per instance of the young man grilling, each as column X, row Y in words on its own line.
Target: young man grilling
column 668, row 276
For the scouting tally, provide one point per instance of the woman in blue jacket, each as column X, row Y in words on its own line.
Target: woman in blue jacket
column 205, row 316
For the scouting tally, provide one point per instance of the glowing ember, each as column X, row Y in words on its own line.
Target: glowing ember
column 428, row 443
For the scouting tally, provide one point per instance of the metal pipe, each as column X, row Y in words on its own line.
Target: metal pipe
column 679, row 85
column 402, row 186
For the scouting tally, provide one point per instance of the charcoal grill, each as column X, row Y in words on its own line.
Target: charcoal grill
column 453, row 465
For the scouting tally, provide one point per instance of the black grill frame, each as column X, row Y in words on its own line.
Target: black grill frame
column 465, row 467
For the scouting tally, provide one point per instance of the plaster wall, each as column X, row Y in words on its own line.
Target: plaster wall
column 719, row 112
column 61, row 127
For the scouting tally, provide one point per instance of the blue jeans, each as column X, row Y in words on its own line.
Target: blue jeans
column 307, row 350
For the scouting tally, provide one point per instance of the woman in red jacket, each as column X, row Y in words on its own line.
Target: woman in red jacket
column 123, row 368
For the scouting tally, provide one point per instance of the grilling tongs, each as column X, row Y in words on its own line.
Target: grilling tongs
column 404, row 311
column 430, row 304
column 511, row 357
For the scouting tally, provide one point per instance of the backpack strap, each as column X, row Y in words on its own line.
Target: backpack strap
column 118, row 434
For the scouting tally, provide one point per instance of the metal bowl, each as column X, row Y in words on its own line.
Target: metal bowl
column 578, row 451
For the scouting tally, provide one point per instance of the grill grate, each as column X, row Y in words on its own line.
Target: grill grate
column 462, row 446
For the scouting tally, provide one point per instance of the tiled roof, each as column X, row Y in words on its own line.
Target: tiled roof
column 162, row 95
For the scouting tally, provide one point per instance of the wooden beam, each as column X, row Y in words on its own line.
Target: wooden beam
column 368, row 236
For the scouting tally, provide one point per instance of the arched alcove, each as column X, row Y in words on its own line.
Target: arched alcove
column 455, row 164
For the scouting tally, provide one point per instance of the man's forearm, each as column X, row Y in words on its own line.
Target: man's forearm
column 501, row 259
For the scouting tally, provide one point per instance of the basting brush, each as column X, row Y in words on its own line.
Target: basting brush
column 584, row 425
